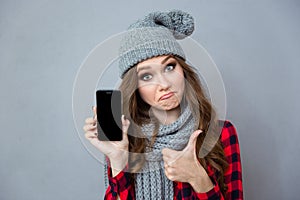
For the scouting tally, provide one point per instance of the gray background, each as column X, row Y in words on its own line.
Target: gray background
column 255, row 45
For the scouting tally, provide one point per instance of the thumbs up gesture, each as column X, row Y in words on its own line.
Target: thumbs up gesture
column 183, row 166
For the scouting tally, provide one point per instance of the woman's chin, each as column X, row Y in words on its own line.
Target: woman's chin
column 168, row 107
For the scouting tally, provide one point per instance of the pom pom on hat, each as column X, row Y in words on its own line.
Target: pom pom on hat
column 183, row 23
column 154, row 35
column 180, row 23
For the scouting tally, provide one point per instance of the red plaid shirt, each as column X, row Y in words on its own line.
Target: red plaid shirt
column 121, row 186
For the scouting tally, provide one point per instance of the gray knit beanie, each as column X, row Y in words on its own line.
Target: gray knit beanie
column 154, row 35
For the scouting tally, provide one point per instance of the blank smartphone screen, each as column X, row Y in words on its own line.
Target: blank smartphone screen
column 109, row 109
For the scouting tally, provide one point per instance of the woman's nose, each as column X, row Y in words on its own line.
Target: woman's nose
column 163, row 82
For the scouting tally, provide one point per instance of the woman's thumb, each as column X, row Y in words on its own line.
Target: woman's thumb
column 94, row 111
column 193, row 139
column 125, row 124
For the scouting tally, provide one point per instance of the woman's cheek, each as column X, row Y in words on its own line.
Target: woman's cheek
column 147, row 93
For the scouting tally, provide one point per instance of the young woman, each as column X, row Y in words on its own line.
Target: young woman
column 167, row 118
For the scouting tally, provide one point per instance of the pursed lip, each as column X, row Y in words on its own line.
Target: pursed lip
column 166, row 96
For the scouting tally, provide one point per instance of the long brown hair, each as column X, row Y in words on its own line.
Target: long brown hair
column 138, row 112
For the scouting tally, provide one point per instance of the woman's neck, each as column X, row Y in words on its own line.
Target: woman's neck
column 167, row 116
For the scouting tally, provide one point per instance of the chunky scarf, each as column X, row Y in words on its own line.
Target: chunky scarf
column 151, row 182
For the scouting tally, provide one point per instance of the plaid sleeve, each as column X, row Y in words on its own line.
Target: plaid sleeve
column 233, row 175
column 119, row 185
column 185, row 191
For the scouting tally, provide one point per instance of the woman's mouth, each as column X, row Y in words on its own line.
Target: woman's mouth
column 166, row 96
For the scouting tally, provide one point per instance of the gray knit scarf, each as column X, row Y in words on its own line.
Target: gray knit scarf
column 151, row 182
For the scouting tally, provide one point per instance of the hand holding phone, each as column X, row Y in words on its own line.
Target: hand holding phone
column 116, row 151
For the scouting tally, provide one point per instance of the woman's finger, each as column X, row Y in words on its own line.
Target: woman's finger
column 90, row 135
column 95, row 112
column 89, row 127
column 90, row 120
column 125, row 125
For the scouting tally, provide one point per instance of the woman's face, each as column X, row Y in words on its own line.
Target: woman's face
column 161, row 82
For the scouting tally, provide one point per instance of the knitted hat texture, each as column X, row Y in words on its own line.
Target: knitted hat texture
column 154, row 35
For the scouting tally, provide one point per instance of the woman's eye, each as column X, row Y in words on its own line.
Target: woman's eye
column 146, row 77
column 170, row 67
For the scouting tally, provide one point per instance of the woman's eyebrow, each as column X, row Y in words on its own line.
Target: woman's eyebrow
column 142, row 68
column 166, row 59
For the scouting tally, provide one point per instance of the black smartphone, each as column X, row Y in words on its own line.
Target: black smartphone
column 109, row 111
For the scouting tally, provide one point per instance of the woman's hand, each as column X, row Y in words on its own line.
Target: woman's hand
column 116, row 151
column 183, row 166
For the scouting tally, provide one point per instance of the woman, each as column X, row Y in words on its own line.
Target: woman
column 163, row 154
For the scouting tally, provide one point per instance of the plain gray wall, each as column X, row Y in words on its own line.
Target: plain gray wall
column 255, row 44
